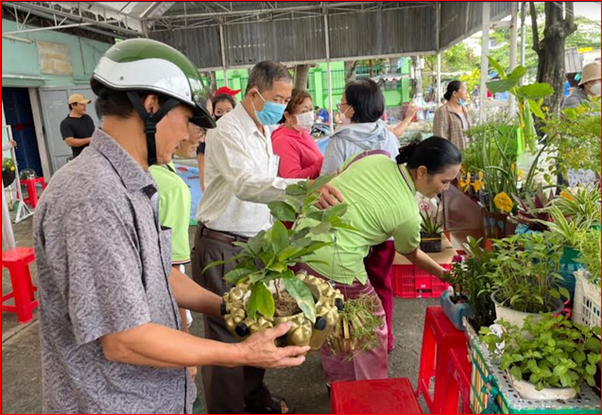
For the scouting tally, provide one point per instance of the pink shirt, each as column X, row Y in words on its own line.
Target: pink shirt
column 300, row 157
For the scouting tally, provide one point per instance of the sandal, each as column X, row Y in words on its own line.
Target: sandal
column 275, row 405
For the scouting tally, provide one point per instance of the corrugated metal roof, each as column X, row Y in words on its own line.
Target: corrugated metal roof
column 388, row 32
column 282, row 40
column 202, row 45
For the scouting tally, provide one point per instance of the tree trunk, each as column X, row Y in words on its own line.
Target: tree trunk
column 212, row 81
column 350, row 71
column 550, row 50
column 301, row 77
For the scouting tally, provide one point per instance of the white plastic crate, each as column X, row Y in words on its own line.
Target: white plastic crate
column 586, row 307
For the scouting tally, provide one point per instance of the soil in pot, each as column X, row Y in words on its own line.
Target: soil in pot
column 286, row 305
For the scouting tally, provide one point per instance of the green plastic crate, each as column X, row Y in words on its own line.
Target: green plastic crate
column 491, row 392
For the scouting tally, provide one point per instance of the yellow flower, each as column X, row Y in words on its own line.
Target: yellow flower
column 520, row 174
column 503, row 202
column 565, row 194
column 465, row 183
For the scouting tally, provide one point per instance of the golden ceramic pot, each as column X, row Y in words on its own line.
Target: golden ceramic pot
column 303, row 331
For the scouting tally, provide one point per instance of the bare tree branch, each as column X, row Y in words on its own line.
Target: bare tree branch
column 533, row 13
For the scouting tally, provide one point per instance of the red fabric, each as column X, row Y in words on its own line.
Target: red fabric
column 378, row 265
column 300, row 157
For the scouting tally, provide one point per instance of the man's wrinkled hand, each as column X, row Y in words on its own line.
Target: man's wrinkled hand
column 260, row 350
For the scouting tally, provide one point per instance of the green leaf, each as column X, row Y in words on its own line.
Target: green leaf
column 518, row 73
column 516, row 373
column 302, row 295
column 228, row 261
column 261, row 301
column 238, row 274
column 322, row 228
column 277, row 267
column 502, row 85
column 298, row 189
column 334, row 211
column 288, row 274
column 289, row 252
column 564, row 292
column 319, row 182
column 266, row 257
column 255, row 243
column 343, row 225
column 283, row 211
column 591, row 369
column 536, row 109
column 279, row 237
column 534, row 91
column 256, row 276
column 498, row 68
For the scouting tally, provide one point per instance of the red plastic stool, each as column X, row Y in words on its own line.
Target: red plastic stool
column 17, row 262
column 381, row 396
column 439, row 337
column 32, row 191
column 457, row 382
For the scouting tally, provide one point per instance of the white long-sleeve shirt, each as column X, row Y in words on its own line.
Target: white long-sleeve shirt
column 240, row 176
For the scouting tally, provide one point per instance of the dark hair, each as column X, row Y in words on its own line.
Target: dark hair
column 264, row 74
column 367, row 100
column 435, row 153
column 297, row 98
column 116, row 103
column 221, row 98
column 452, row 87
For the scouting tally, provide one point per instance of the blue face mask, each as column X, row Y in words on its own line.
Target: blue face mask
column 462, row 102
column 272, row 112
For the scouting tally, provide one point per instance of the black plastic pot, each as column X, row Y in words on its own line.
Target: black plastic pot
column 8, row 177
column 430, row 242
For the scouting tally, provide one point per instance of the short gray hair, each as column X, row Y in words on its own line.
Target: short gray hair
column 264, row 74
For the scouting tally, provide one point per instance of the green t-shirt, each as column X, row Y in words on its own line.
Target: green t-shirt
column 174, row 209
column 382, row 205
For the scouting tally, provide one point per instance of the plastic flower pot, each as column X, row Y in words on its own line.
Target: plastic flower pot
column 527, row 391
column 430, row 242
column 454, row 311
column 517, row 318
column 303, row 331
column 494, row 225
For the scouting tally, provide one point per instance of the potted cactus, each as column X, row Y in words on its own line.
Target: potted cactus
column 267, row 292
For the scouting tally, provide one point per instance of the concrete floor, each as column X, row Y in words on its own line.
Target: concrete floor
column 304, row 387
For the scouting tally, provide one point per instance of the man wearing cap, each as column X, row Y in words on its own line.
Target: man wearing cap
column 589, row 86
column 78, row 127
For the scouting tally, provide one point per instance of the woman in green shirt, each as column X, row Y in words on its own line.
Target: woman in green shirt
column 381, row 197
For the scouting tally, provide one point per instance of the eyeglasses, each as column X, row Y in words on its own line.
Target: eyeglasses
column 340, row 106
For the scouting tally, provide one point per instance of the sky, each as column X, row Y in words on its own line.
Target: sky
column 589, row 9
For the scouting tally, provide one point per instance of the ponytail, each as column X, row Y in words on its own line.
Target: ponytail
column 435, row 153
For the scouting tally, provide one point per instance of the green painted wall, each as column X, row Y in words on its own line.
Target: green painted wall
column 395, row 95
column 20, row 59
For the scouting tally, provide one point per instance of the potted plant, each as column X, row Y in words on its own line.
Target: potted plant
column 532, row 213
column 470, row 305
column 8, row 171
column 266, row 291
column 547, row 359
column 525, row 276
column 431, row 228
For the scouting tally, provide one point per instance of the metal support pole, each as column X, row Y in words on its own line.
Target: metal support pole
column 223, row 48
column 484, row 63
column 328, row 72
column 523, row 34
column 438, row 94
column 513, row 53
column 8, row 236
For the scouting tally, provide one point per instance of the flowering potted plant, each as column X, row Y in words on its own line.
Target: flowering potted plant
column 431, row 228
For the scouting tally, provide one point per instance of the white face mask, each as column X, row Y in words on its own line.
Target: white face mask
column 343, row 119
column 304, row 121
column 595, row 89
